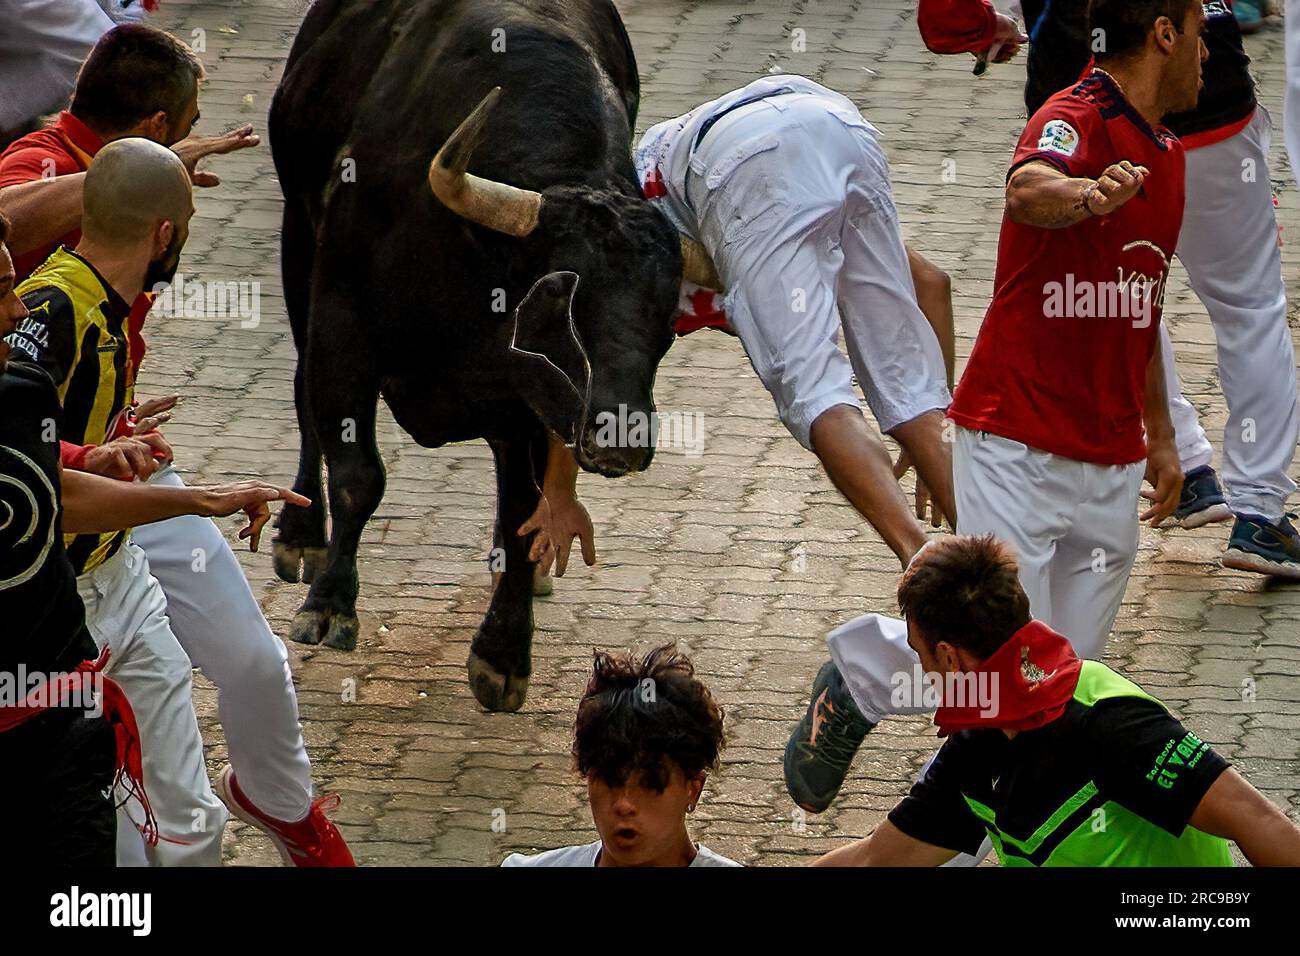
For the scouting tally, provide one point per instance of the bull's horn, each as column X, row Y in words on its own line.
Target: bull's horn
column 495, row 205
column 697, row 266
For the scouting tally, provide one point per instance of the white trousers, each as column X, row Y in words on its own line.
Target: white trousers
column 127, row 612
column 1291, row 123
column 1229, row 246
column 1074, row 528
column 793, row 201
column 1072, row 524
column 42, row 45
column 218, row 622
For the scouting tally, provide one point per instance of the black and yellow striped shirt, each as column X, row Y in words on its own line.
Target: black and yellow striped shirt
column 77, row 331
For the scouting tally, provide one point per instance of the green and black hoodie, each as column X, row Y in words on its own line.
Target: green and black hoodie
column 1113, row 781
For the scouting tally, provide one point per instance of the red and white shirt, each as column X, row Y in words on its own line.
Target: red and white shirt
column 1060, row 362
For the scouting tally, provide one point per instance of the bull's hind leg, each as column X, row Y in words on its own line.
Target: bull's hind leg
column 500, row 659
column 300, row 541
column 343, row 391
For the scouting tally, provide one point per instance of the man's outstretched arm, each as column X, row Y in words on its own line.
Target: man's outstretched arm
column 887, row 846
column 46, row 208
column 93, row 504
column 42, row 210
column 1236, row 811
column 560, row 516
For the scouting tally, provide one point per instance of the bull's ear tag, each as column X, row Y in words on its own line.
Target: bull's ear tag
column 548, row 365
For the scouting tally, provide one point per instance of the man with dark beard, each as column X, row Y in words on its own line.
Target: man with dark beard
column 138, row 204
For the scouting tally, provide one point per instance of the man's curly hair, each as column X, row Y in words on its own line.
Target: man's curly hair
column 644, row 716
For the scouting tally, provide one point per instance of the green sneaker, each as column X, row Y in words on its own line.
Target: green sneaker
column 819, row 752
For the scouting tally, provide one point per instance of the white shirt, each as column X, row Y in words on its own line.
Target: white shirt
column 588, row 854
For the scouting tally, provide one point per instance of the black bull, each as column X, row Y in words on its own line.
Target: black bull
column 550, row 249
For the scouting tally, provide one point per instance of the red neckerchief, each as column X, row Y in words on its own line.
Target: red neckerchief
column 653, row 187
column 1033, row 677
column 82, row 142
column 699, row 308
column 117, row 711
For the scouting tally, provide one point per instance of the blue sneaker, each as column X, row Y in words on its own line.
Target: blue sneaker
column 1263, row 547
column 1202, row 501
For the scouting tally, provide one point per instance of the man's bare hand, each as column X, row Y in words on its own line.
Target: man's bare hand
column 193, row 148
column 250, row 497
column 1007, row 41
column 149, row 415
column 1116, row 186
column 557, row 521
column 924, row 505
column 128, row 457
column 1165, row 475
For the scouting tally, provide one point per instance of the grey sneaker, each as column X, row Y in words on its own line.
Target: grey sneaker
column 822, row 746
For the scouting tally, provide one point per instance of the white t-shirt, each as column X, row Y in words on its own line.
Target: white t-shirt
column 587, row 855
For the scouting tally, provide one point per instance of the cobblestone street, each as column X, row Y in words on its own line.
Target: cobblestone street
column 746, row 555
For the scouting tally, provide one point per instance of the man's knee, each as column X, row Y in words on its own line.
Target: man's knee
column 829, row 426
column 264, row 669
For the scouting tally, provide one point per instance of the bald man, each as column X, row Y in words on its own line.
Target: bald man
column 137, row 585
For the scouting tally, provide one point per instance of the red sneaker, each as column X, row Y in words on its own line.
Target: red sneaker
column 313, row 841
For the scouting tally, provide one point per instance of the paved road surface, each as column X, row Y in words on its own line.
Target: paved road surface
column 745, row 554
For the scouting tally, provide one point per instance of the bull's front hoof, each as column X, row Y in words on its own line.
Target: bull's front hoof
column 342, row 632
column 494, row 690
column 294, row 564
column 308, row 627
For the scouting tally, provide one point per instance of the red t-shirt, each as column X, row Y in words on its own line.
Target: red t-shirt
column 65, row 148
column 1060, row 362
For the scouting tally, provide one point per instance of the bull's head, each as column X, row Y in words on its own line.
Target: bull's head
column 590, row 334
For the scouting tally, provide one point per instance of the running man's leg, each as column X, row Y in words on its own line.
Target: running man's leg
column 127, row 611
column 1091, row 568
column 1229, row 245
column 1291, row 119
column 894, row 348
column 786, row 315
column 773, row 222
column 1194, row 448
column 1007, row 489
column 218, row 622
